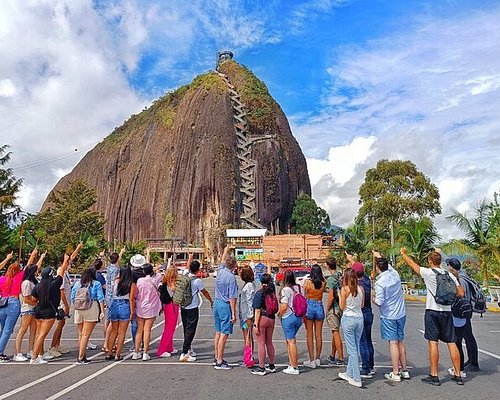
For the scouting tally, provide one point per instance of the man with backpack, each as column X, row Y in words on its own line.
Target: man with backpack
column 463, row 326
column 442, row 288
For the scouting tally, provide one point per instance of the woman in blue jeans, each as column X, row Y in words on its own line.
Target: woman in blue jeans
column 351, row 303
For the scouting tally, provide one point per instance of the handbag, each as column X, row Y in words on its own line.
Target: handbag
column 4, row 301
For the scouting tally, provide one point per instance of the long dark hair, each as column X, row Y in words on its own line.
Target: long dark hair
column 316, row 276
column 44, row 290
column 267, row 287
column 289, row 279
column 125, row 281
column 88, row 276
column 30, row 272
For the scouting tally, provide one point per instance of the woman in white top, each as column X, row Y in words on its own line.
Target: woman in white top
column 351, row 303
column 246, row 313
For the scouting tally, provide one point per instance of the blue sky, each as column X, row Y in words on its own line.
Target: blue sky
column 359, row 81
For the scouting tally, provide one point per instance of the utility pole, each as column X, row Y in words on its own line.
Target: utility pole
column 392, row 244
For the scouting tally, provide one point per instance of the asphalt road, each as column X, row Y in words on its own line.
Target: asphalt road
column 167, row 378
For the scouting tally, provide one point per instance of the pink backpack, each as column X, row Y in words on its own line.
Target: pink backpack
column 299, row 304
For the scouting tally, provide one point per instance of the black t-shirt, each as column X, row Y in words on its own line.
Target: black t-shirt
column 137, row 273
column 49, row 309
column 259, row 303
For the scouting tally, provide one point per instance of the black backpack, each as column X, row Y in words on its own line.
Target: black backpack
column 446, row 289
column 461, row 308
column 477, row 299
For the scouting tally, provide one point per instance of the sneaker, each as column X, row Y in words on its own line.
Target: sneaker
column 53, row 352
column 136, row 356
column 258, row 371
column 91, row 346
column 366, row 374
column 62, row 349
column 19, row 358
column 344, row 376
column 188, row 358
column 222, row 365
column 372, row 371
column 83, row 361
column 4, row 358
column 355, row 383
column 29, row 354
column 404, row 374
column 271, row 368
column 458, row 380
column 391, row 376
column 432, row 380
column 330, row 360
column 339, row 363
column 146, row 357
column 191, row 352
column 310, row 364
column 37, row 361
column 214, row 362
column 317, row 362
column 165, row 355
column 174, row 351
column 131, row 348
column 451, row 371
column 471, row 368
column 291, row 370
column 48, row 356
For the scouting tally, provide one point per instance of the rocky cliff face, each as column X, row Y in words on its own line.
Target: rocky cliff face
column 177, row 161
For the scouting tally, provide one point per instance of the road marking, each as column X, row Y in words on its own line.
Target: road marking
column 494, row 331
column 99, row 372
column 56, row 373
column 488, row 353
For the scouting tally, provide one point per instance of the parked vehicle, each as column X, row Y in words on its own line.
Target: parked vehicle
column 300, row 272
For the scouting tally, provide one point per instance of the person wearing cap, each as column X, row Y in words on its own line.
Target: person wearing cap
column 438, row 321
column 137, row 261
column 365, row 343
column 463, row 326
column 390, row 299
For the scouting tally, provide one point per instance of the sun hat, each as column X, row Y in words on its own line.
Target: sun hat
column 138, row 260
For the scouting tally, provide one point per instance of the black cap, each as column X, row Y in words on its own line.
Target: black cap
column 46, row 272
column 453, row 263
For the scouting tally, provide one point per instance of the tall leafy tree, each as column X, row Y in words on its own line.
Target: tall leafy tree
column 308, row 217
column 394, row 191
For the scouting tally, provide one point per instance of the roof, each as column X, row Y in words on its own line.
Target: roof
column 233, row 233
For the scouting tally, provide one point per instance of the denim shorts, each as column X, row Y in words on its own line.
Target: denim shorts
column 315, row 310
column 392, row 329
column 119, row 310
column 291, row 326
column 222, row 317
column 29, row 312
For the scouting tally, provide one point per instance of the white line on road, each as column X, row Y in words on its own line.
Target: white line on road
column 479, row 350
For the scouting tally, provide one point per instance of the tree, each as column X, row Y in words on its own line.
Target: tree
column 308, row 218
column 394, row 191
column 482, row 234
column 9, row 189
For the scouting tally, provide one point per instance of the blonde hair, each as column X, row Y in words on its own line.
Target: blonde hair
column 170, row 277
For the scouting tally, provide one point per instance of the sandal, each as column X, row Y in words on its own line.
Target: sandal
column 118, row 358
column 109, row 357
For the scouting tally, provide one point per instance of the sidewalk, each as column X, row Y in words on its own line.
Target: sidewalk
column 493, row 307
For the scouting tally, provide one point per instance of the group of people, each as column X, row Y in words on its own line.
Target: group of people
column 138, row 293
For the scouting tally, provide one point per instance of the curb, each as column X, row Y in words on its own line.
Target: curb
column 493, row 307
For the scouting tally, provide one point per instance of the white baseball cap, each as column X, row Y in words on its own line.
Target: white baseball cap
column 138, row 260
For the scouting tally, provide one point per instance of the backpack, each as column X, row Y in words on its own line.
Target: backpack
column 299, row 304
column 477, row 299
column 82, row 298
column 183, row 295
column 461, row 308
column 271, row 303
column 446, row 289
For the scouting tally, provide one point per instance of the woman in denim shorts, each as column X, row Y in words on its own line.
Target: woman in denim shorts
column 121, row 311
column 314, row 288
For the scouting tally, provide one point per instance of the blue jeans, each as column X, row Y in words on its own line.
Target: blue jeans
column 8, row 319
column 352, row 328
column 365, row 344
column 133, row 327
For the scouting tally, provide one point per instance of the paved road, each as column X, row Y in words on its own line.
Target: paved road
column 167, row 378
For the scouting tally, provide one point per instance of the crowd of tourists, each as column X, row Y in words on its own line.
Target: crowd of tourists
column 137, row 293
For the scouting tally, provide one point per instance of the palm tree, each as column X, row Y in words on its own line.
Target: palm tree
column 482, row 237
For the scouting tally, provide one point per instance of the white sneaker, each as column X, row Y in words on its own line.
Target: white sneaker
column 187, row 358
column 146, row 357
column 62, row 349
column 191, row 352
column 355, row 383
column 91, row 346
column 166, row 355
column 174, row 351
column 47, row 356
column 451, row 371
column 310, row 364
column 291, row 370
column 392, row 377
column 317, row 362
column 344, row 376
column 404, row 374
column 38, row 361
column 54, row 352
column 29, row 354
column 136, row 356
column 19, row 358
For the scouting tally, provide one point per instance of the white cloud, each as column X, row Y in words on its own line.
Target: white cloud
column 430, row 95
column 7, row 88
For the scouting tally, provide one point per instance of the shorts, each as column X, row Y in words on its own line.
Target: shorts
column 291, row 326
column 438, row 325
column 29, row 312
column 333, row 319
column 315, row 310
column 119, row 310
column 90, row 315
column 392, row 329
column 222, row 317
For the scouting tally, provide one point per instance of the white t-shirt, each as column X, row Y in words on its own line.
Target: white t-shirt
column 287, row 294
column 429, row 278
column 66, row 286
column 196, row 287
column 26, row 289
